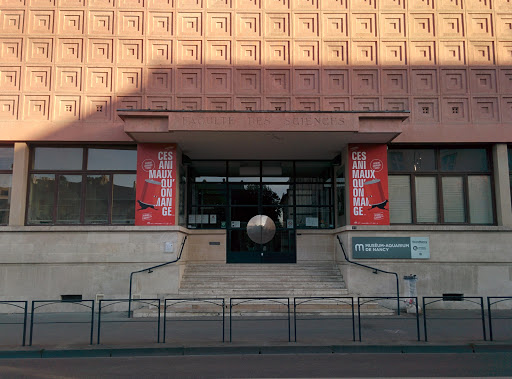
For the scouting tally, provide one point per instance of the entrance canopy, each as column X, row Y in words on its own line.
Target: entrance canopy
column 262, row 135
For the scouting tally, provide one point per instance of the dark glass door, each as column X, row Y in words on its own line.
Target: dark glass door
column 248, row 200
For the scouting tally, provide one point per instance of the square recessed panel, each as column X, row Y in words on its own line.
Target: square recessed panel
column 160, row 24
column 248, row 53
column 130, row 51
column 218, row 24
column 190, row 52
column 189, row 80
column 129, row 80
column 306, row 53
column 189, row 4
column 128, row 102
column 41, row 21
column 248, row 4
column 11, row 22
column 392, row 25
column 98, row 108
column 10, row 78
column 69, row 50
column 306, row 4
column 101, row 22
column 248, row 25
column 190, row 24
column 131, row 3
column 335, row 81
column 160, row 103
column 306, row 81
column 393, row 4
column 424, row 81
column 68, row 79
column 453, row 5
column 189, row 103
column 219, row 4
column 395, row 104
column 159, row 52
column 307, row 104
column 36, row 108
column 367, row 5
column 393, row 53
column 454, row 81
column 100, row 51
column 452, row 52
column 248, row 81
column 420, row 4
column 277, row 81
column 425, row 110
column 504, row 53
column 483, row 81
column 71, row 3
column 160, row 4
column 451, row 25
column 395, row 82
column 10, row 50
column 67, row 108
column 37, row 79
column 248, row 103
column 506, row 109
column 364, row 25
column 159, row 80
column 99, row 79
column 277, row 24
column 479, row 4
column 40, row 50
column 335, row 25
column 505, row 81
column 277, row 52
column 278, row 104
column 455, row 109
column 365, row 104
column 336, row 104
column 365, row 82
column 218, row 80
column 422, row 52
column 101, row 3
column 276, row 4
column 504, row 25
column 218, row 52
column 480, row 25
column 364, row 53
column 485, row 109
column 335, row 53
column 481, row 53
column 40, row 3
column 219, row 103
column 305, row 25
column 71, row 22
column 422, row 25
column 12, row 3
column 9, row 107
column 130, row 23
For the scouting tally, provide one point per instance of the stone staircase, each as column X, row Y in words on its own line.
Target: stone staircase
column 260, row 280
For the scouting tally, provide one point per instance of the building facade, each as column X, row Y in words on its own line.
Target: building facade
column 254, row 107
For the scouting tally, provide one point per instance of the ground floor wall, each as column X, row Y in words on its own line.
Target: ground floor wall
column 47, row 262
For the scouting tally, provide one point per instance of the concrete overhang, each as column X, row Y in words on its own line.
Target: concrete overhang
column 261, row 135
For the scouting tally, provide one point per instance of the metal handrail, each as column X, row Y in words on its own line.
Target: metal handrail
column 375, row 271
column 149, row 270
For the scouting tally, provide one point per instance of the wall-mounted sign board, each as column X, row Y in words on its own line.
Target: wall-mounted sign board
column 390, row 247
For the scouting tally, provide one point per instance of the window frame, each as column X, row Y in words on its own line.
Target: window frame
column 439, row 174
column 84, row 173
column 8, row 172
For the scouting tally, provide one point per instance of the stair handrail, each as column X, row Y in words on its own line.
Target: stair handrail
column 375, row 271
column 149, row 270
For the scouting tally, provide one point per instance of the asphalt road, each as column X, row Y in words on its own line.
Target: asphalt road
column 265, row 366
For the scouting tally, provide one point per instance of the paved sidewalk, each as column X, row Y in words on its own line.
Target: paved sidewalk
column 69, row 334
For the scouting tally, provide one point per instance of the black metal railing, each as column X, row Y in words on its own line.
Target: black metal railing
column 478, row 300
column 216, row 302
column 507, row 313
column 328, row 300
column 237, row 301
column 45, row 303
column 149, row 270
column 151, row 302
column 24, row 308
column 365, row 300
column 375, row 271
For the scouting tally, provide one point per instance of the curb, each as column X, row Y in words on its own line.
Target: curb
column 117, row 352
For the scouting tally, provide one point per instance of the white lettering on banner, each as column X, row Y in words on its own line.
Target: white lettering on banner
column 359, row 176
column 165, row 173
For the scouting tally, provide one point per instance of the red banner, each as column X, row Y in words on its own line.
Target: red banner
column 156, row 184
column 368, row 183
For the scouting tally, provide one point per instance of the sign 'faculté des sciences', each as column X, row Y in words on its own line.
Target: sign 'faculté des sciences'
column 368, row 183
column 156, row 184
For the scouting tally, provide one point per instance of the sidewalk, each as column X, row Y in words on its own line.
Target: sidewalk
column 69, row 334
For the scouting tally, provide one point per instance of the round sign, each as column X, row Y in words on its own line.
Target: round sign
column 261, row 229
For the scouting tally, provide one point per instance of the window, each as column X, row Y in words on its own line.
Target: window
column 75, row 185
column 6, row 161
column 446, row 186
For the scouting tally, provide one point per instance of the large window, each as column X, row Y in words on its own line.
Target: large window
column 447, row 186
column 75, row 185
column 226, row 194
column 6, row 161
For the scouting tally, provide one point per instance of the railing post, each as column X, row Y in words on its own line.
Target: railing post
column 25, row 323
column 490, row 318
column 31, row 323
column 92, row 322
column 483, row 317
column 99, row 322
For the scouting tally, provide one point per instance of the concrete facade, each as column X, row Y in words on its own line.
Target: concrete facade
column 84, row 72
